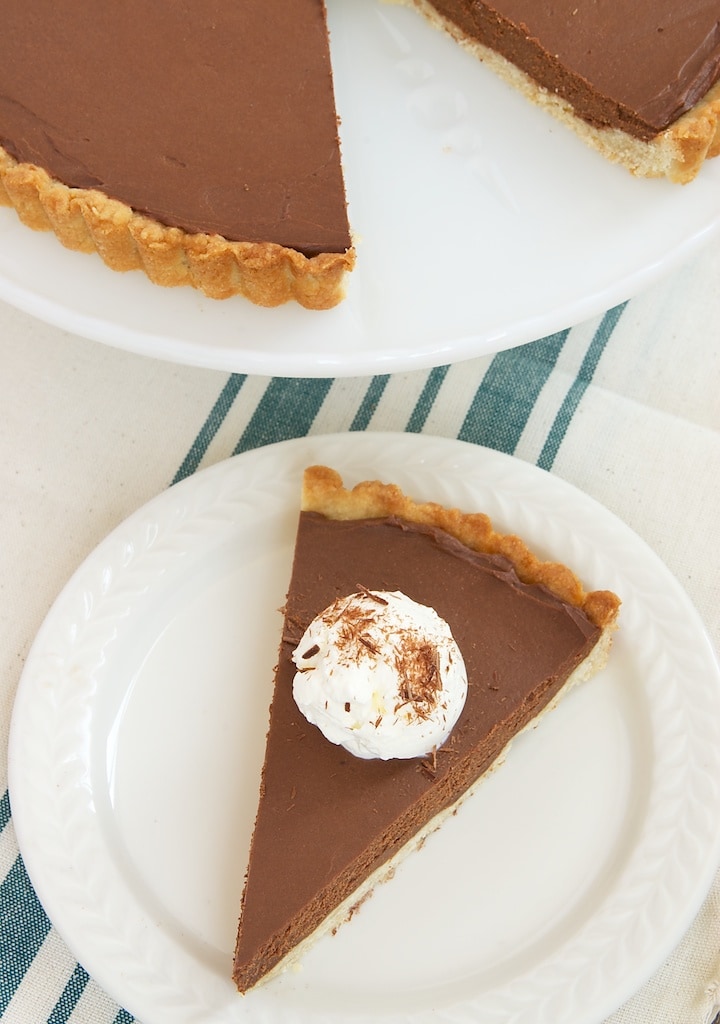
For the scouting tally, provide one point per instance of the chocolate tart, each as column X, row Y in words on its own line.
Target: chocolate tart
column 637, row 80
column 330, row 826
column 197, row 142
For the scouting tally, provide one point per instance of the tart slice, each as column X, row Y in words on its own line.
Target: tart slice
column 195, row 142
column 330, row 824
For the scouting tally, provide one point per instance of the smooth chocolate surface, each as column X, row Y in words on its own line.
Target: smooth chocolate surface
column 214, row 117
column 327, row 819
column 630, row 64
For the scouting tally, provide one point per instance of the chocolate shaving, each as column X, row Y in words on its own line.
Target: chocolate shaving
column 418, row 667
column 369, row 593
column 429, row 766
column 368, row 643
column 293, row 631
column 448, row 748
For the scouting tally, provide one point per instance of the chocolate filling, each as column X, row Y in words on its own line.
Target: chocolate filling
column 326, row 819
column 214, row 117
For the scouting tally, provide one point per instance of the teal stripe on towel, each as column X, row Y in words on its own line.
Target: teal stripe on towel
column 579, row 386
column 123, row 1017
column 211, row 426
column 425, row 402
column 24, row 926
column 287, row 409
column 370, row 401
column 4, row 810
column 70, row 996
column 507, row 394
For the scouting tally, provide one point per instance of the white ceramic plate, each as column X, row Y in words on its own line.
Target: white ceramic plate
column 138, row 735
column 538, row 232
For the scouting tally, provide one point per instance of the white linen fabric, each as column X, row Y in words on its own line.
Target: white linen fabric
column 625, row 407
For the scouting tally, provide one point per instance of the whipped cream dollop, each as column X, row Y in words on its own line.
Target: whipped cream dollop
column 381, row 675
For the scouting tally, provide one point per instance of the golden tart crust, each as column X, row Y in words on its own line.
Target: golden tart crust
column 86, row 220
